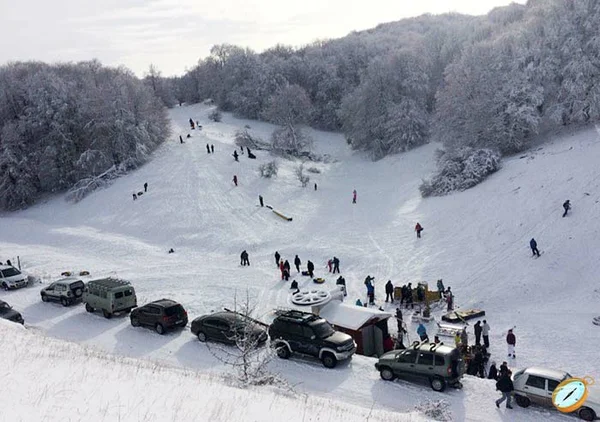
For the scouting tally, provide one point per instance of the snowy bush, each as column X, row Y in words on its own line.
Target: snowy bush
column 268, row 170
column 461, row 169
column 313, row 170
column 88, row 185
column 438, row 410
column 290, row 141
column 302, row 178
column 244, row 139
column 215, row 115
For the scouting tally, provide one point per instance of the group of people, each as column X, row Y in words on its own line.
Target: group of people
column 210, row 148
column 333, row 263
column 135, row 195
column 285, row 267
column 7, row 263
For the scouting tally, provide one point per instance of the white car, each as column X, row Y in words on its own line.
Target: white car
column 11, row 278
column 536, row 385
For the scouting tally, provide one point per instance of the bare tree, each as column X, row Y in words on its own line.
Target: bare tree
column 302, row 178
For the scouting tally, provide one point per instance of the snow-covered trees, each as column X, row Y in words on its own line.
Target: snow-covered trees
column 62, row 123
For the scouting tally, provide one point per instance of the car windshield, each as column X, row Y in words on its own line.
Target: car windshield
column 9, row 272
column 174, row 310
column 322, row 329
column 4, row 305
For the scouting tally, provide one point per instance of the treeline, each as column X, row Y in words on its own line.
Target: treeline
column 61, row 124
column 483, row 86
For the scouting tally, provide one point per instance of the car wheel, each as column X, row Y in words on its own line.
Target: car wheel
column 135, row 322
column 329, row 360
column 64, row 302
column 88, row 308
column 78, row 292
column 5, row 286
column 587, row 414
column 283, row 351
column 437, row 384
column 201, row 336
column 44, row 298
column 522, row 401
column 106, row 314
column 159, row 329
column 387, row 374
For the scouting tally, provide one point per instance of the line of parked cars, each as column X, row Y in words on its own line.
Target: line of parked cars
column 295, row 332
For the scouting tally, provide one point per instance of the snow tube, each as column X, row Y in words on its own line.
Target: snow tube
column 140, row 193
column 319, row 280
column 84, row 273
column 283, row 216
column 66, row 273
column 596, row 321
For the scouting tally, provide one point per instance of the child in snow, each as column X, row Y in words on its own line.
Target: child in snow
column 354, row 196
column 418, row 229
column 511, row 342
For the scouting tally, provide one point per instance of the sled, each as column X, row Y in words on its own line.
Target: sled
column 596, row 321
column 462, row 316
column 66, row 274
column 319, row 280
column 305, row 273
column 282, row 216
column 252, row 156
column 84, row 273
column 140, row 193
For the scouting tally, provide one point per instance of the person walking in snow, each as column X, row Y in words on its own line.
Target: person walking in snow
column 244, row 258
column 503, row 369
column 336, row 265
column 329, row 264
column 212, row 148
column 286, row 274
column 354, row 196
column 146, row 187
column 235, row 155
column 505, row 386
column 567, row 207
column 422, row 332
column 281, row 268
column 181, row 139
column 191, row 123
column 311, row 268
column 235, row 179
column 485, row 330
column 418, row 229
column 134, row 196
column 511, row 342
column 286, row 265
column 409, row 297
column 315, row 186
column 207, row 149
column 399, row 319
column 477, row 328
column 277, row 258
column 260, row 200
column 389, row 291
column 297, row 263
column 370, row 289
column 533, row 246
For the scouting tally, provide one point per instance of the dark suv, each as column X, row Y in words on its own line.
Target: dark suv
column 162, row 315
column 301, row 332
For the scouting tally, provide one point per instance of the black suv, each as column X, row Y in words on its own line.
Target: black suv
column 162, row 315
column 7, row 312
column 302, row 332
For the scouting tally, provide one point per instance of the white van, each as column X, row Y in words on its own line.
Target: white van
column 11, row 278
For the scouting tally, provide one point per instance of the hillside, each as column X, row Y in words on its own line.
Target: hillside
column 476, row 241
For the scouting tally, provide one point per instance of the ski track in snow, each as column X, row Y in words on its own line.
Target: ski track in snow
column 476, row 241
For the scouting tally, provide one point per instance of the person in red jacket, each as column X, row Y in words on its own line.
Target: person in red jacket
column 511, row 342
column 418, row 229
column 281, row 268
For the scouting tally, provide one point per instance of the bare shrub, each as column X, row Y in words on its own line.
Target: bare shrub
column 302, row 178
column 269, row 169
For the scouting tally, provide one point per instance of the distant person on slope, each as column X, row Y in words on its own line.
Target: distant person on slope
column 534, row 248
column 260, row 200
column 311, row 268
column 286, row 265
column 354, row 196
column 389, row 291
column 235, row 179
column 567, row 207
column 329, row 264
column 146, row 187
column 315, row 186
column 191, row 123
column 418, row 229
column 244, row 258
column 212, row 148
column 235, row 155
column 478, row 329
column 277, row 258
column 485, row 330
column 207, row 149
column 297, row 263
column 181, row 139
column 336, row 265
column 134, row 196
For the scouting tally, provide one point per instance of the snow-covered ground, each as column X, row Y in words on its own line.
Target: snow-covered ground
column 476, row 241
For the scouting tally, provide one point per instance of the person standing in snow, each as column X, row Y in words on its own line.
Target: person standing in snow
column 440, row 287
column 260, row 200
column 277, row 258
column 389, row 291
column 354, row 196
column 422, row 332
column 286, row 274
column 311, row 268
column 336, row 265
column 191, row 123
column 212, row 148
column 146, row 187
column 235, row 155
column 409, row 297
column 449, row 300
column 235, row 179
column 286, row 265
column 315, row 186
column 505, row 385
column 504, row 369
column 457, row 340
column 399, row 319
column 464, row 339
column 485, row 330
column 493, row 372
column 567, row 207
column 181, row 139
column 134, row 196
column 281, row 268
column 244, row 258
column 511, row 342
column 370, row 289
column 533, row 246
column 207, row 149
column 477, row 328
column 297, row 263
column 418, row 229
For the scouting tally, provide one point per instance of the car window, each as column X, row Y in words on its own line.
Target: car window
column 118, row 295
column 77, row 284
column 322, row 329
column 439, row 360
column 425, row 359
column 552, row 384
column 295, row 329
column 536, row 382
column 408, row 357
column 174, row 310
column 307, row 332
column 4, row 305
column 216, row 323
column 9, row 272
column 128, row 292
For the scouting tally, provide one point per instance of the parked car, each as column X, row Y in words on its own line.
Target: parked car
column 535, row 385
column 7, row 312
column 11, row 278
column 225, row 326
column 306, row 333
column 109, row 295
column 66, row 291
column 441, row 365
column 162, row 315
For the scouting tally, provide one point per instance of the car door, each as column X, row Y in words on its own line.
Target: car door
column 145, row 315
column 309, row 343
column 535, row 386
column 425, row 362
column 50, row 291
column 551, row 385
column 406, row 361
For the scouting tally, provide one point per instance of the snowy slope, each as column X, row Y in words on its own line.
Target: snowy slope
column 477, row 241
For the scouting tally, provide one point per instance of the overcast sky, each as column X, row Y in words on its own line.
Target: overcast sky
column 174, row 34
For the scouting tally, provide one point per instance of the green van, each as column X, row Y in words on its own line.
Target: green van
column 110, row 295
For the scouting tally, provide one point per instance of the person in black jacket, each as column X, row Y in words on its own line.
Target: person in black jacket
column 336, row 265
column 287, row 265
column 297, row 263
column 493, row 372
column 207, row 149
column 277, row 258
column 389, row 291
column 311, row 268
column 244, row 258
column 567, row 207
column 533, row 246
column 505, row 385
column 235, row 155
column 477, row 328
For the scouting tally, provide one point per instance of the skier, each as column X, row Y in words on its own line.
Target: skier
column 134, row 196
column 315, row 186
column 511, row 342
column 235, row 179
column 389, row 291
column 207, row 149
column 146, row 187
column 533, row 246
column 191, row 123
column 181, row 139
column 336, row 265
column 485, row 330
column 505, row 385
column 260, row 200
column 493, row 372
column 277, row 258
column 235, row 155
column 422, row 332
column 311, row 268
column 478, row 329
column 567, row 207
column 418, row 229
column 354, row 196
column 297, row 263
column 329, row 264
column 212, row 148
